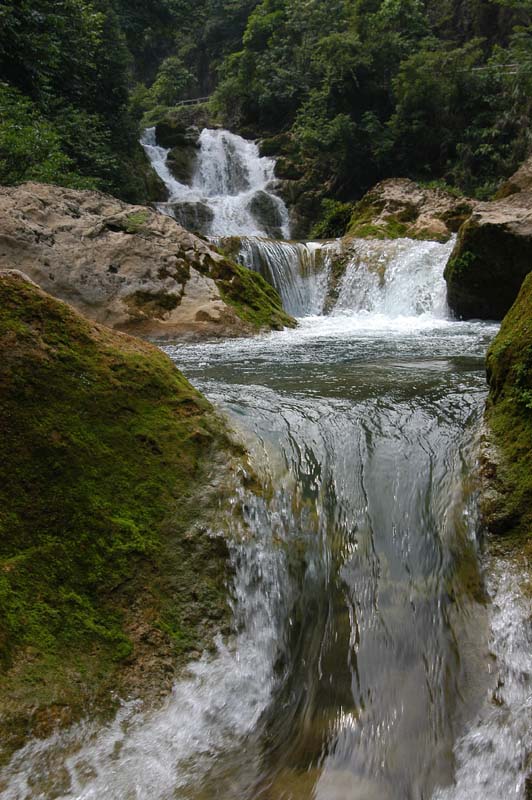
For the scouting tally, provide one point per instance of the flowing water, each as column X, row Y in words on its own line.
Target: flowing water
column 231, row 188
column 377, row 653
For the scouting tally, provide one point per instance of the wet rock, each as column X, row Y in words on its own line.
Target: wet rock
column 181, row 162
column 506, row 463
column 267, row 213
column 195, row 217
column 124, row 583
column 493, row 253
column 171, row 132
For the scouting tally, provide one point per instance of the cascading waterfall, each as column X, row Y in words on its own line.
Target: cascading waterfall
column 370, row 659
column 395, row 278
column 231, row 190
column 386, row 278
column 300, row 271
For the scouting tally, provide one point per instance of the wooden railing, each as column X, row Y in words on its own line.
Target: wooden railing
column 194, row 102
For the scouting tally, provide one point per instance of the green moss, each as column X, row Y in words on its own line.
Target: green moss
column 363, row 226
column 136, row 221
column 155, row 302
column 130, row 223
column 105, row 448
column 253, row 298
column 509, row 412
column 461, row 263
column 334, row 221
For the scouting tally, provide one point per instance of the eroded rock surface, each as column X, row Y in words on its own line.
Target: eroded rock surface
column 129, row 267
column 493, row 254
column 400, row 207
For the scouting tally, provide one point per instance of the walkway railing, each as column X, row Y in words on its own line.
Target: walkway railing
column 194, row 102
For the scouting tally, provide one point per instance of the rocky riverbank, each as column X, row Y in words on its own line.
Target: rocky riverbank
column 507, row 459
column 130, row 267
column 112, row 471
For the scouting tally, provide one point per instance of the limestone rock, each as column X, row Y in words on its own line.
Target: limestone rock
column 128, row 267
column 493, row 253
column 400, row 207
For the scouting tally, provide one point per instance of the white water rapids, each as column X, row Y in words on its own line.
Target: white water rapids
column 231, row 188
column 378, row 653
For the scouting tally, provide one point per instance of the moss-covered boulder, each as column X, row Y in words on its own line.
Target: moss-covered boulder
column 493, row 253
column 487, row 268
column 172, row 132
column 181, row 162
column 267, row 214
column 399, row 207
column 507, row 498
column 108, row 577
column 129, row 267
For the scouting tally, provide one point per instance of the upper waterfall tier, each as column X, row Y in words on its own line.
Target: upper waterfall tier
column 230, row 193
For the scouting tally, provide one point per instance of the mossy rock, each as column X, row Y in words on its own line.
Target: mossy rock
column 107, row 456
column 182, row 161
column 509, row 416
column 172, row 132
column 267, row 214
column 253, row 298
column 365, row 222
column 486, row 269
column 195, row 217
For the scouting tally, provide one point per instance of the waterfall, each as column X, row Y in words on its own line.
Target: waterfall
column 299, row 271
column 395, row 278
column 230, row 195
column 400, row 278
column 231, row 189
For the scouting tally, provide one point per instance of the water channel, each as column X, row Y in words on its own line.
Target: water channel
column 378, row 653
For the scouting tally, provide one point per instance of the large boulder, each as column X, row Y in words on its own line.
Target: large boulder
column 181, row 161
column 267, row 212
column 130, row 267
column 507, row 456
column 493, row 253
column 171, row 132
column 194, row 216
column 110, row 478
column 399, row 207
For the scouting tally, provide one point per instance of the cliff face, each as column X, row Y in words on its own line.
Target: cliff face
column 507, row 499
column 493, row 254
column 107, row 574
column 129, row 267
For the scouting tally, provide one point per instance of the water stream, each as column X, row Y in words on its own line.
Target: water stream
column 377, row 653
column 231, row 188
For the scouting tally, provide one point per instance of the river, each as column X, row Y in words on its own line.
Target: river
column 378, row 652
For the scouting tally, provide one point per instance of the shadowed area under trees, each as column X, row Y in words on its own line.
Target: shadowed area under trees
column 339, row 89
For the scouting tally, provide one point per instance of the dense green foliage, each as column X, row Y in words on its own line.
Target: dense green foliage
column 371, row 88
column 347, row 91
column 510, row 416
column 106, row 446
column 65, row 72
